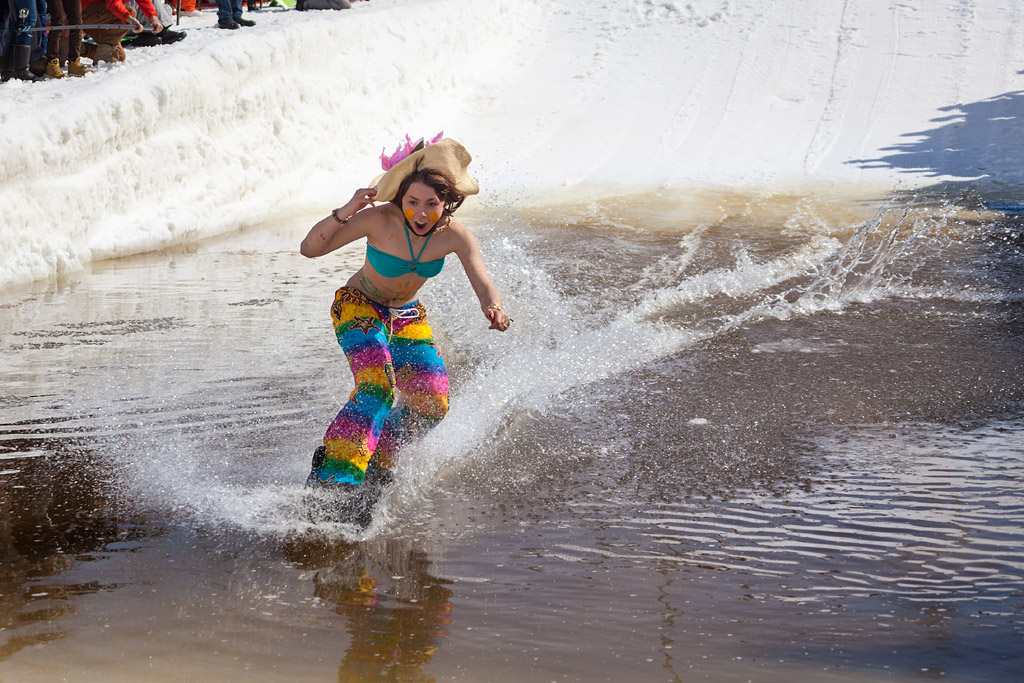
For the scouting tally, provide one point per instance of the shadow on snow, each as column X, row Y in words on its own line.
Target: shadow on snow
column 977, row 145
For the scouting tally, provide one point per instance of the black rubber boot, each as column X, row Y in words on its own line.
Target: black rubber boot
column 318, row 459
column 359, row 508
column 345, row 503
column 16, row 63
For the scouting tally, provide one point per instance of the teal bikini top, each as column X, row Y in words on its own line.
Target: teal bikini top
column 392, row 266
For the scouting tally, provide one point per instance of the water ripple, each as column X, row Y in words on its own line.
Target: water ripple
column 931, row 516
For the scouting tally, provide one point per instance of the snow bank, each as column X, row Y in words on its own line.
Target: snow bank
column 228, row 129
column 553, row 97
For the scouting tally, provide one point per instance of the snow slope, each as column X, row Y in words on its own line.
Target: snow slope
column 228, row 129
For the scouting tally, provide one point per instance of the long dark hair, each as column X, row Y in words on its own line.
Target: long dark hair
column 438, row 182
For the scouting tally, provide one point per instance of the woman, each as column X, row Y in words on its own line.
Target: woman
column 377, row 318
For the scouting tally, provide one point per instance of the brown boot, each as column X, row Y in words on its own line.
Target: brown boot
column 76, row 68
column 53, row 69
column 99, row 52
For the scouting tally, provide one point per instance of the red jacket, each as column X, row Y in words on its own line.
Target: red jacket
column 118, row 9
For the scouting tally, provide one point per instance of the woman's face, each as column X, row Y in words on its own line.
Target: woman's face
column 422, row 207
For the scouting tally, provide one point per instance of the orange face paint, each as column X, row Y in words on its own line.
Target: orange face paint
column 434, row 217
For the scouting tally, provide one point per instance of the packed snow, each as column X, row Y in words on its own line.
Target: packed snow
column 554, row 98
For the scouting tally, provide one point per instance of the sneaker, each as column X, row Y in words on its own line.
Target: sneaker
column 227, row 23
column 53, row 69
column 193, row 13
column 167, row 36
column 76, row 68
column 245, row 22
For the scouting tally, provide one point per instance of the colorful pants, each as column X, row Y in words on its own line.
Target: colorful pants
column 391, row 350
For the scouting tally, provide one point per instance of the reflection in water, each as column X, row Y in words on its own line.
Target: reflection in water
column 397, row 612
column 722, row 449
column 52, row 509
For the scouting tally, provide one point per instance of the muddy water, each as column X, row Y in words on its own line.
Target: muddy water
column 728, row 437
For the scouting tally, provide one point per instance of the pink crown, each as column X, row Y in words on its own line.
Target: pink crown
column 386, row 162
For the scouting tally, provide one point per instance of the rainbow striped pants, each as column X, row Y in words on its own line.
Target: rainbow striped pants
column 401, row 385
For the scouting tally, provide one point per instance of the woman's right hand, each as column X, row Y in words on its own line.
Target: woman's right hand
column 335, row 230
column 360, row 200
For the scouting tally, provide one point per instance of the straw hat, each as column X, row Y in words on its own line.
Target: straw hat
column 446, row 156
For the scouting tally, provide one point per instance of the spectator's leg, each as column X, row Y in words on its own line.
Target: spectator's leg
column 224, row 13
column 108, row 40
column 166, row 16
column 163, row 13
column 56, row 37
column 73, row 11
column 19, row 51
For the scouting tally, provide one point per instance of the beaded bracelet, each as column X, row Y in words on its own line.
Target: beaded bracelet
column 334, row 214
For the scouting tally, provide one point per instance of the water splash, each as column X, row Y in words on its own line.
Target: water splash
column 561, row 346
column 190, row 450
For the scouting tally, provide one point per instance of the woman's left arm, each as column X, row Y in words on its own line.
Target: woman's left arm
column 472, row 260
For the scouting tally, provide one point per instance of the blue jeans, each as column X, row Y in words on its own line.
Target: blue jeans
column 229, row 9
column 18, row 26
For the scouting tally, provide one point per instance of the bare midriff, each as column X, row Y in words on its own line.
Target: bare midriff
column 391, row 292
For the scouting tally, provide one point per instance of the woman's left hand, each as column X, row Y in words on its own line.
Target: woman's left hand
column 499, row 319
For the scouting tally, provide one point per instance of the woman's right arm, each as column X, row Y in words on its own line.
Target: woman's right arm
column 341, row 227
